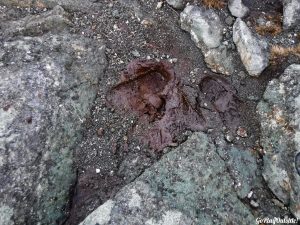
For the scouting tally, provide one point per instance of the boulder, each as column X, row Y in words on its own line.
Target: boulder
column 206, row 31
column 253, row 50
column 204, row 25
column 48, row 85
column 279, row 113
column 189, row 185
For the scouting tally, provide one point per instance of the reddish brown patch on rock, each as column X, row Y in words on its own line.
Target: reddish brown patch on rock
column 224, row 99
column 151, row 90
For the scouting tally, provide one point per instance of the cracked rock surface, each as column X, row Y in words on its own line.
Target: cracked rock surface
column 279, row 116
column 189, row 185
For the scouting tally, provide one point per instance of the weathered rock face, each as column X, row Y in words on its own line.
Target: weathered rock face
column 220, row 60
column 280, row 119
column 48, row 84
column 34, row 25
column 189, row 185
column 206, row 31
column 252, row 50
column 203, row 25
column 69, row 5
column 291, row 13
column 237, row 8
column 177, row 4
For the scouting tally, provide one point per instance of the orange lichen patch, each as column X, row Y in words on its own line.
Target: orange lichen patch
column 216, row 4
column 280, row 52
column 274, row 28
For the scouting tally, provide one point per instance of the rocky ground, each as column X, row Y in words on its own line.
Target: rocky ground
column 149, row 112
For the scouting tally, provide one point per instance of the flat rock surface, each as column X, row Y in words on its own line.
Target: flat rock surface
column 48, row 85
column 189, row 185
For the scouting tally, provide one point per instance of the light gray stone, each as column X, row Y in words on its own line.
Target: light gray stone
column 291, row 13
column 206, row 31
column 204, row 25
column 253, row 51
column 48, row 85
column 237, row 8
column 189, row 185
column 279, row 113
column 177, row 4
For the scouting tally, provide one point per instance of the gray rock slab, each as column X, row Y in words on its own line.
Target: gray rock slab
column 48, row 85
column 189, row 185
column 69, row 5
column 279, row 113
column 54, row 21
column 253, row 50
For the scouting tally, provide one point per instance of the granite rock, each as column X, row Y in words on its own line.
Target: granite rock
column 253, row 50
column 279, row 113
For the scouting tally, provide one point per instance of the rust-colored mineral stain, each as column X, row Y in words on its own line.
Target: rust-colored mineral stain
column 151, row 90
column 143, row 88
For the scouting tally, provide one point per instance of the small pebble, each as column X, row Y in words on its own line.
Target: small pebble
column 100, row 132
column 115, row 13
column 249, row 195
column 159, row 5
column 173, row 60
column 229, row 20
column 229, row 137
column 135, row 53
column 242, row 132
column 254, row 204
column 147, row 22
